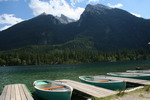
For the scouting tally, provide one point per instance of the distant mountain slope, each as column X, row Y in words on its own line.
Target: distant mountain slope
column 41, row 30
column 106, row 28
column 113, row 28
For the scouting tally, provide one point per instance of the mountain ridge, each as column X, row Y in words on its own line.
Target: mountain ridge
column 106, row 28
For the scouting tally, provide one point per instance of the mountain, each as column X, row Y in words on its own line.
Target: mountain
column 41, row 30
column 99, row 27
column 64, row 19
column 113, row 28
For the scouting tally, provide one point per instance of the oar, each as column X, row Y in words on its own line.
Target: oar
column 103, row 81
column 52, row 88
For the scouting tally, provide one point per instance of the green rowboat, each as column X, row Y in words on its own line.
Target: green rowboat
column 139, row 71
column 103, row 82
column 130, row 75
column 51, row 90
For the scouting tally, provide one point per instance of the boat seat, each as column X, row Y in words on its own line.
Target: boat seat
column 52, row 88
column 44, row 85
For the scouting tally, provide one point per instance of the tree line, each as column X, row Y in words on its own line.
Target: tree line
column 69, row 56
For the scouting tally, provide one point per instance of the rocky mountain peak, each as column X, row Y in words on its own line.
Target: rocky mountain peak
column 97, row 8
column 64, row 19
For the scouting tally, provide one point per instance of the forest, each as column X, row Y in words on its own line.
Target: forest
column 11, row 58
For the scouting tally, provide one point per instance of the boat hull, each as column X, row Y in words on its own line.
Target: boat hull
column 139, row 71
column 146, row 77
column 110, row 85
column 54, row 95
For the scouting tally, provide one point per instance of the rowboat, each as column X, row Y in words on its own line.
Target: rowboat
column 51, row 90
column 103, row 82
column 139, row 71
column 130, row 75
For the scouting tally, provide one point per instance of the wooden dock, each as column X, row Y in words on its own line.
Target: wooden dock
column 15, row 92
column 20, row 92
column 131, row 80
column 89, row 89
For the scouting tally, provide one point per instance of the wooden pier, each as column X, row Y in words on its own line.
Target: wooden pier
column 20, row 92
column 15, row 92
column 89, row 89
column 131, row 80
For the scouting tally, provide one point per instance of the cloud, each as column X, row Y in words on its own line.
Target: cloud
column 5, row 27
column 74, row 2
column 119, row 5
column 8, row 0
column 11, row 0
column 91, row 1
column 137, row 15
column 9, row 19
column 56, row 8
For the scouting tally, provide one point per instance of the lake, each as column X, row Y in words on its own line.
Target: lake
column 28, row 74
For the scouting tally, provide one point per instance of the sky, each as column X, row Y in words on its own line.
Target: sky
column 16, row 11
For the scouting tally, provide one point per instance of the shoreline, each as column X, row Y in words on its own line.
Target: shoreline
column 138, row 94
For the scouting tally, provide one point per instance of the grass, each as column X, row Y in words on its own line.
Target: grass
column 147, row 88
column 121, row 93
column 142, row 91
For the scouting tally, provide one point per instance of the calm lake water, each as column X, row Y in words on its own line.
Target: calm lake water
column 28, row 74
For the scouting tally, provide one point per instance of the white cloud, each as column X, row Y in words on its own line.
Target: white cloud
column 90, row 1
column 11, row 0
column 56, row 8
column 9, row 19
column 74, row 2
column 5, row 27
column 119, row 5
column 137, row 15
column 8, row 0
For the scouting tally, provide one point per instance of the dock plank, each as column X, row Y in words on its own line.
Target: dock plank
column 15, row 92
column 3, row 95
column 13, row 95
column 8, row 94
column 22, row 94
column 18, row 96
column 89, row 89
column 28, row 95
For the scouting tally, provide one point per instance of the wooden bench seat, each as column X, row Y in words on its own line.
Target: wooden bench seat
column 16, row 92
